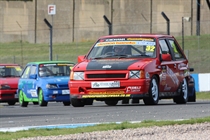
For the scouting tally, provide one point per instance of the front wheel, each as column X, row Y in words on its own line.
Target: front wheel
column 111, row 102
column 41, row 100
column 77, row 103
column 11, row 102
column 67, row 103
column 21, row 99
column 153, row 98
column 183, row 97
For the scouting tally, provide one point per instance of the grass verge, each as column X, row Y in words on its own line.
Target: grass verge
column 100, row 127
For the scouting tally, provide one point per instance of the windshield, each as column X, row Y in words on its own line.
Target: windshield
column 10, row 71
column 124, row 47
column 46, row 70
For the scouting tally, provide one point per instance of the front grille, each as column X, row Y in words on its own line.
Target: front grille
column 63, row 86
column 7, row 95
column 121, row 75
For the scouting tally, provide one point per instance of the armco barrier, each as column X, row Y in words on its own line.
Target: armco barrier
column 202, row 82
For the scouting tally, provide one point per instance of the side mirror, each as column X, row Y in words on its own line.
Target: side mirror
column 32, row 76
column 166, row 57
column 191, row 69
column 80, row 58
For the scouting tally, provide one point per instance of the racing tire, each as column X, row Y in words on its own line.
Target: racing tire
column 183, row 97
column 125, row 101
column 89, row 102
column 21, row 99
column 67, row 103
column 111, row 102
column 35, row 103
column 11, row 102
column 153, row 98
column 77, row 103
column 135, row 101
column 41, row 100
column 192, row 98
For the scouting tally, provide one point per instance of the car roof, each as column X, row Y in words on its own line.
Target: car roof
column 8, row 64
column 137, row 35
column 50, row 62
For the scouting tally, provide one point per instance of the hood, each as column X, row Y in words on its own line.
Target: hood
column 112, row 64
column 58, row 80
column 13, row 82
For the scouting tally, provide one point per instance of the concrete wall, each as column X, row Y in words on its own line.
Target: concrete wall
column 82, row 20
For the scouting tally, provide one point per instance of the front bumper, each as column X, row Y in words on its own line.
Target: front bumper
column 128, row 89
column 8, row 95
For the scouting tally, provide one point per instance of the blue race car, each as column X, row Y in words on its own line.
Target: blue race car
column 43, row 82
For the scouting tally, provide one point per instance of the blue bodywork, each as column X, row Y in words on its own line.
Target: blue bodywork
column 54, row 86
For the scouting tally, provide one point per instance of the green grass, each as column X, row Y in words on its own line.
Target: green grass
column 196, row 48
column 100, row 127
column 203, row 95
column 103, row 127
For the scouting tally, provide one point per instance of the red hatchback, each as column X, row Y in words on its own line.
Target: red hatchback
column 135, row 66
column 9, row 76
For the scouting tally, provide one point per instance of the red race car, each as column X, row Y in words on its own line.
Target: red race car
column 133, row 66
column 9, row 76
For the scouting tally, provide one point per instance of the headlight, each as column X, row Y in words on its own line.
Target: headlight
column 77, row 75
column 136, row 74
column 51, row 86
column 4, row 87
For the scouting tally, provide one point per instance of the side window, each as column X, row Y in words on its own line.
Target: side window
column 163, row 47
column 33, row 70
column 26, row 72
column 176, row 51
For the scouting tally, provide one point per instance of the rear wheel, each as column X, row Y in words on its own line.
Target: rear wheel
column 42, row 102
column 89, row 102
column 111, row 102
column 77, row 103
column 35, row 103
column 21, row 99
column 67, row 103
column 153, row 98
column 125, row 101
column 11, row 102
column 135, row 101
column 192, row 98
column 183, row 97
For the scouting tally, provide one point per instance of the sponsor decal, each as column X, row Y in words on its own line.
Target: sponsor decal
column 107, row 84
column 106, row 66
column 133, row 89
column 146, row 39
column 55, row 92
column 32, row 92
column 173, row 76
column 115, row 39
column 116, row 43
column 106, row 92
column 166, row 88
column 65, row 92
column 106, row 96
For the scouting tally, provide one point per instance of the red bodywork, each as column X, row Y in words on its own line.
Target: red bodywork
column 168, row 72
column 9, row 84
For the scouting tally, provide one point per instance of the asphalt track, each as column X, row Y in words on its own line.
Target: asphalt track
column 55, row 115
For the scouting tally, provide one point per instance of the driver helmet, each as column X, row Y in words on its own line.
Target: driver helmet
column 42, row 72
column 120, row 49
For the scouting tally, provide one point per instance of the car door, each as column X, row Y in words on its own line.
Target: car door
column 179, row 58
column 28, row 83
column 169, row 81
